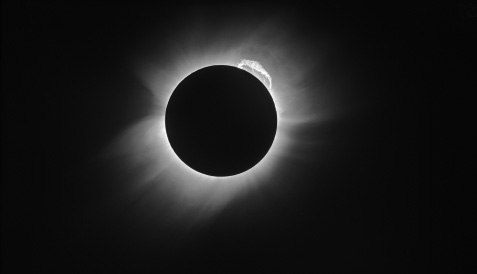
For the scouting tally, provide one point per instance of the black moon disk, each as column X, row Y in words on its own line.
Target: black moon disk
column 221, row 121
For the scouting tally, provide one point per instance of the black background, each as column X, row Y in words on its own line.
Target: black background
column 379, row 198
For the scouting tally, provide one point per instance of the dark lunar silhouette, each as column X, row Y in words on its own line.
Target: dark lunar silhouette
column 221, row 120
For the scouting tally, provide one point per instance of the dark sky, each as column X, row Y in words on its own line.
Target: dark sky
column 66, row 94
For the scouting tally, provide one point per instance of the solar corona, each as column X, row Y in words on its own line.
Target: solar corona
column 224, row 123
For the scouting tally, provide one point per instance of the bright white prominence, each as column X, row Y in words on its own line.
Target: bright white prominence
column 256, row 67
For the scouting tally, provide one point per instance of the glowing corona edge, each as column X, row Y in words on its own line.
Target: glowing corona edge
column 147, row 162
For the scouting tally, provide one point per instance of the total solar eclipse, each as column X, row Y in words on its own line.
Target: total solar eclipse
column 221, row 120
